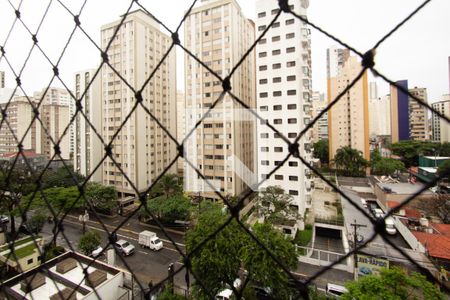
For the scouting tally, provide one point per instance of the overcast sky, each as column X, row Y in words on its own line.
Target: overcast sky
column 418, row 52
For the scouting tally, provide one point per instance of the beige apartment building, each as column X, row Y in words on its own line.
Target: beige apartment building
column 348, row 120
column 19, row 116
column 141, row 148
column 418, row 116
column 181, row 127
column 223, row 147
column 88, row 149
column 320, row 129
column 440, row 128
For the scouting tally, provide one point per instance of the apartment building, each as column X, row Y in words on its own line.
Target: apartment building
column 320, row 129
column 19, row 117
column 181, row 127
column 399, row 112
column 88, row 148
column 2, row 79
column 349, row 119
column 418, row 116
column 283, row 62
column 52, row 98
column 223, row 146
column 140, row 149
column 440, row 128
column 380, row 116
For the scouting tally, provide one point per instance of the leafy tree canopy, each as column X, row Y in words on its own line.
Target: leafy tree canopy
column 168, row 210
column 275, row 205
column 393, row 283
column 410, row 151
column 383, row 165
column 89, row 242
column 321, row 151
column 350, row 162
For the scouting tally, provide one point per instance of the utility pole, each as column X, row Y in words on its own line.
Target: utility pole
column 355, row 256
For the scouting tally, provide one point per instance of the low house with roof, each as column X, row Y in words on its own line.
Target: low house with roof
column 26, row 254
column 70, row 276
column 27, row 158
column 437, row 243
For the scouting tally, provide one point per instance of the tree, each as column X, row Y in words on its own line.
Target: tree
column 443, row 169
column 383, row 165
column 410, row 151
column 393, row 283
column 89, row 242
column 37, row 221
column 221, row 259
column 350, row 162
column 168, row 185
column 168, row 210
column 321, row 151
column 103, row 198
column 62, row 177
column 275, row 205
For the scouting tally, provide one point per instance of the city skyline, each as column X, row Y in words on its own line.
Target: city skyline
column 430, row 24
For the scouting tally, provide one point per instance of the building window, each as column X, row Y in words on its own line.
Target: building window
column 277, row 121
column 278, row 177
column 276, row 79
column 277, row 107
column 292, row 106
column 263, row 108
column 293, row 192
column 264, row 162
column 276, row 52
column 292, row 121
column 292, row 92
column 291, row 78
column 293, row 164
column 290, row 21
column 278, row 149
column 262, row 41
column 30, row 261
column 275, row 11
column 263, row 95
column 262, row 14
column 276, row 66
column 262, row 54
column 276, row 25
column 264, row 149
column 277, row 94
column 262, row 81
column 290, row 35
column 292, row 135
column 262, row 68
column 262, row 27
column 290, row 64
column 275, row 38
column 293, row 178
column 290, row 49
column 264, row 135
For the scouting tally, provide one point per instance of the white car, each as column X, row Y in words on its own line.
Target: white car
column 378, row 213
column 124, row 247
column 364, row 202
column 335, row 291
column 96, row 252
column 390, row 226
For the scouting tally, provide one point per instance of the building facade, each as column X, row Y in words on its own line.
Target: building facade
column 88, row 149
column 140, row 149
column 320, row 129
column 223, row 146
column 52, row 98
column 380, row 116
column 440, row 128
column 181, row 127
column 2, row 79
column 399, row 112
column 349, row 118
column 283, row 63
column 19, row 117
column 418, row 116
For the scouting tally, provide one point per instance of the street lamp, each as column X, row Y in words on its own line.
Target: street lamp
column 84, row 218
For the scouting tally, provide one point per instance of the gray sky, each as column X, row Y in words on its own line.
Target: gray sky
column 418, row 52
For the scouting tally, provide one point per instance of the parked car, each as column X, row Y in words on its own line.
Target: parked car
column 4, row 219
column 378, row 213
column 335, row 291
column 227, row 293
column 125, row 247
column 390, row 226
column 97, row 251
column 364, row 202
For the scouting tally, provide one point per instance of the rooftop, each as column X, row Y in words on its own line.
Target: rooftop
column 403, row 187
column 437, row 245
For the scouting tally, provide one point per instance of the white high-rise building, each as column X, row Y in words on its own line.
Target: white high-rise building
column 320, row 129
column 440, row 128
column 2, row 79
column 224, row 144
column 379, row 112
column 181, row 126
column 88, row 149
column 140, row 148
column 283, row 61
column 60, row 97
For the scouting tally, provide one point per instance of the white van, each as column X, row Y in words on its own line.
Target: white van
column 390, row 226
column 335, row 291
column 227, row 293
